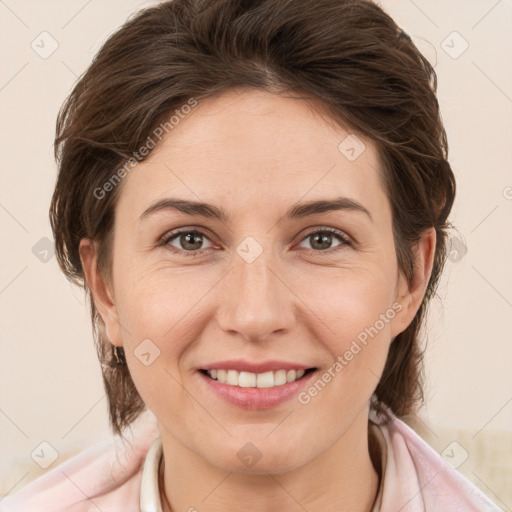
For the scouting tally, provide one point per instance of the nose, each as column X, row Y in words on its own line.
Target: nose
column 256, row 301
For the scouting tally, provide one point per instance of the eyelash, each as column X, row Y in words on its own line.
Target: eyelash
column 168, row 237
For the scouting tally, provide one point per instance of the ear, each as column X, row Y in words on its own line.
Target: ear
column 410, row 294
column 101, row 294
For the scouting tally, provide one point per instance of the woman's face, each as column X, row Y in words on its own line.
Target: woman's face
column 271, row 287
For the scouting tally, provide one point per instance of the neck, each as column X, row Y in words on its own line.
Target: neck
column 343, row 478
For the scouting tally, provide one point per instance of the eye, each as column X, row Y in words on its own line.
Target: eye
column 191, row 240
column 188, row 240
column 322, row 239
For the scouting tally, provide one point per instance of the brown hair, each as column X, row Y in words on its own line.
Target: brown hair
column 347, row 53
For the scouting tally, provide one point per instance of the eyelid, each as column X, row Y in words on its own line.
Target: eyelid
column 345, row 239
column 168, row 235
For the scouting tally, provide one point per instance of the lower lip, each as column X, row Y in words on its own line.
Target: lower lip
column 256, row 398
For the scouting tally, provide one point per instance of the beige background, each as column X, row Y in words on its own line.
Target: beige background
column 50, row 383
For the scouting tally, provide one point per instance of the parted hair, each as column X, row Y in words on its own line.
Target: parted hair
column 349, row 54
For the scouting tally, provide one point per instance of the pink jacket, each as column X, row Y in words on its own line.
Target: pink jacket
column 108, row 477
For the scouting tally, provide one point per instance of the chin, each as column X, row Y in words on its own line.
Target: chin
column 257, row 458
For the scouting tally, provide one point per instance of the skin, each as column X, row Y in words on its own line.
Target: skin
column 256, row 154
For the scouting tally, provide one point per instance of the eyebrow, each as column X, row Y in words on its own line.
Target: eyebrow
column 297, row 211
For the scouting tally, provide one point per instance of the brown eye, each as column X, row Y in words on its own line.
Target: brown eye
column 322, row 240
column 186, row 240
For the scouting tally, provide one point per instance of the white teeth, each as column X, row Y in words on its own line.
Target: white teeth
column 246, row 380
column 265, row 380
column 232, row 378
column 255, row 380
column 280, row 377
column 221, row 376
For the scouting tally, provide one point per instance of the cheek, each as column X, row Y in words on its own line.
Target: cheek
column 157, row 335
column 162, row 314
column 356, row 331
column 363, row 326
column 147, row 296
column 354, row 312
column 350, row 300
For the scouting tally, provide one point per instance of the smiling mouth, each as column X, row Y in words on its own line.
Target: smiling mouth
column 270, row 379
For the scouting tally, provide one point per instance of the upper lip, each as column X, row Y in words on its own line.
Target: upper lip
column 255, row 367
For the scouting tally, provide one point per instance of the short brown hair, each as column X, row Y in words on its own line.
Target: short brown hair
column 347, row 53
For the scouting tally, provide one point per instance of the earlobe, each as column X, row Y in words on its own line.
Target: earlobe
column 101, row 294
column 410, row 293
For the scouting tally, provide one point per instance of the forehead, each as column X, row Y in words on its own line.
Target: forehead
column 253, row 149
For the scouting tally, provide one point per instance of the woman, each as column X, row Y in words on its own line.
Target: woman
column 255, row 195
